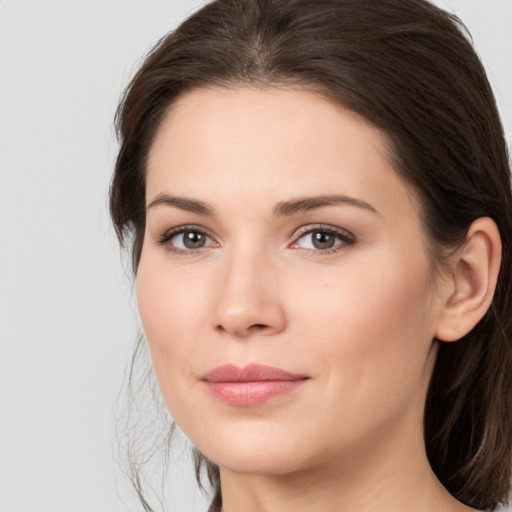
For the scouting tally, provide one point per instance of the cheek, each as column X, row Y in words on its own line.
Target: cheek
column 169, row 310
column 169, row 318
column 374, row 297
column 372, row 330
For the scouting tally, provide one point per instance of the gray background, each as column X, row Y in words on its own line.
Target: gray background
column 67, row 312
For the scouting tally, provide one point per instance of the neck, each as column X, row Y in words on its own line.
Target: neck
column 397, row 478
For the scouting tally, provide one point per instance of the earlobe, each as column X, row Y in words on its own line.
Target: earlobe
column 469, row 289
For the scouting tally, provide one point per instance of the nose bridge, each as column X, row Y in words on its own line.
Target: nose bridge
column 248, row 299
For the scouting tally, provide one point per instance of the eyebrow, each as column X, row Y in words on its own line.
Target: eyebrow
column 183, row 203
column 305, row 204
column 284, row 208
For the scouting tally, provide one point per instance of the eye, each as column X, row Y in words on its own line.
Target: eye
column 323, row 239
column 190, row 240
column 185, row 239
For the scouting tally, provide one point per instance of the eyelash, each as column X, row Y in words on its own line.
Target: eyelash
column 345, row 238
column 165, row 239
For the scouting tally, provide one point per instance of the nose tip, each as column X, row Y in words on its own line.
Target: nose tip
column 248, row 303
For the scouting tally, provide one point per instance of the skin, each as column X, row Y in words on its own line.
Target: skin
column 358, row 320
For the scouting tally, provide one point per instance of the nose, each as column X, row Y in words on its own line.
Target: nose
column 248, row 300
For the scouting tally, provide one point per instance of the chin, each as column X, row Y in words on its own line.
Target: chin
column 254, row 453
column 263, row 463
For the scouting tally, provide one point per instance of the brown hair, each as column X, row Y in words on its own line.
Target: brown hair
column 408, row 68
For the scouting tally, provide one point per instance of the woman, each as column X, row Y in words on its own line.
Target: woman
column 319, row 198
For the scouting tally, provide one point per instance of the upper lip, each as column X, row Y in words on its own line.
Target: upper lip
column 249, row 373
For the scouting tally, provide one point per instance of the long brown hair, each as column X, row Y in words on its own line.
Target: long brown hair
column 408, row 68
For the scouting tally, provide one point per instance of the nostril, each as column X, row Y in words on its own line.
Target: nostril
column 257, row 327
column 244, row 332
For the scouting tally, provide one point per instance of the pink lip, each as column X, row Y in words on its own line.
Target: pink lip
column 252, row 385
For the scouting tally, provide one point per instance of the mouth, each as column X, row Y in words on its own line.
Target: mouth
column 251, row 385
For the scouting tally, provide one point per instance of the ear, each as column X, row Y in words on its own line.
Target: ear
column 469, row 288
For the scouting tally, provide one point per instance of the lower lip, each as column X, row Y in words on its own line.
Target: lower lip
column 251, row 393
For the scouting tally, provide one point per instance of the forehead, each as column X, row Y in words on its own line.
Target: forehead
column 266, row 142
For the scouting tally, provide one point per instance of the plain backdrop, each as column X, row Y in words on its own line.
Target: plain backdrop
column 67, row 315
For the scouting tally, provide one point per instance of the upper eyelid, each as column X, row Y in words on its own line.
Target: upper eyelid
column 169, row 233
column 294, row 236
column 303, row 230
column 187, row 227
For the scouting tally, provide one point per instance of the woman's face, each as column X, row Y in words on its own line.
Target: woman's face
column 284, row 284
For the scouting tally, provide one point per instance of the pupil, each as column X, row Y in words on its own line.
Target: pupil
column 323, row 240
column 193, row 239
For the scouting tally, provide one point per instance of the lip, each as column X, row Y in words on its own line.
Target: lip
column 251, row 385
